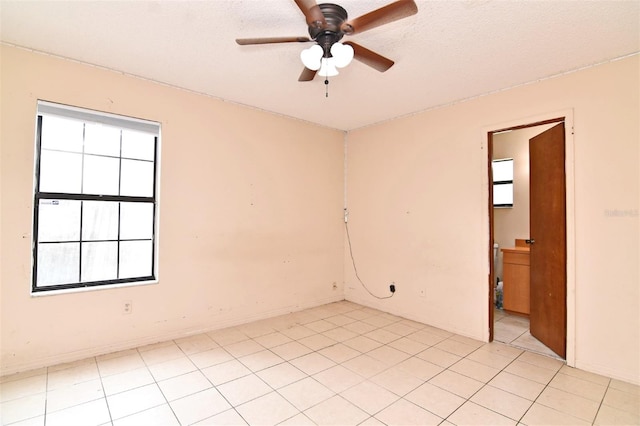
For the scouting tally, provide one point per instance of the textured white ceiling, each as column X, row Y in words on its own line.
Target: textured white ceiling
column 449, row 51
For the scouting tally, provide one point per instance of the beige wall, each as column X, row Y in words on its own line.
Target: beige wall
column 250, row 216
column 417, row 192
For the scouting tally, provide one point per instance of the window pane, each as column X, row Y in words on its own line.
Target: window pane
column 99, row 261
column 502, row 170
column 60, row 172
column 138, row 145
column 100, row 175
column 61, row 133
column 99, row 220
column 137, row 178
column 58, row 263
column 102, row 139
column 58, row 220
column 135, row 259
column 136, row 221
column 503, row 194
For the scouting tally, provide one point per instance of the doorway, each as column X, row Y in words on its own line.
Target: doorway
column 528, row 280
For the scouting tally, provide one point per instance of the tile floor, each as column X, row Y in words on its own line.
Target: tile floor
column 341, row 364
column 514, row 330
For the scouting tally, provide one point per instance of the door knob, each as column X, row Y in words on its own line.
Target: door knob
column 531, row 241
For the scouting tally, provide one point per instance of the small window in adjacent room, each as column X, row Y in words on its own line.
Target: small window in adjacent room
column 95, row 205
column 502, row 182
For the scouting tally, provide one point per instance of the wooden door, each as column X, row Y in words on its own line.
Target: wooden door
column 547, row 227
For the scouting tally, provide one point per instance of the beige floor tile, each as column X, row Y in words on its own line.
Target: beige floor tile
column 298, row 332
column 260, row 360
column 339, row 334
column 455, row 347
column 623, row 386
column 540, row 415
column 358, row 314
column 517, row 385
column 502, row 349
column 298, row 420
column 365, row 366
column 340, row 320
column 360, row 327
column 34, row 421
column 585, row 375
column 502, row 402
column 269, row 409
column 317, row 341
column 490, row 359
column 530, row 371
column 580, row 387
column 134, row 401
column 121, row 364
column 256, row 328
column 403, row 412
column 382, row 336
column 23, row 375
column 541, row 360
column 569, row 403
column 272, row 340
column 243, row 348
column 244, row 389
column 199, row 406
column 475, row 370
column 378, row 321
column 68, row 396
column 22, row 408
column 411, row 323
column 225, row 372
column 23, row 387
column 321, row 326
column 71, row 364
column 621, row 400
column 397, row 381
column 435, row 400
column 211, row 357
column 612, row 416
column 161, row 415
column 530, row 343
column 226, row 418
column 420, row 368
column 456, row 383
column 336, row 411
column 339, row 353
column 467, row 341
column 162, row 354
column 175, row 367
column 369, row 397
column 473, row 414
column 362, row 344
column 126, row 381
column 437, row 331
column 306, row 393
column 312, row 363
column 281, row 375
column 338, row 378
column 73, row 375
column 388, row 355
column 227, row 336
column 87, row 414
column 426, row 338
column 291, row 350
column 181, row 386
column 408, row 346
column 194, row 344
column 439, row 357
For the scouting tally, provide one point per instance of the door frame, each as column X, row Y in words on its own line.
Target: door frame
column 487, row 144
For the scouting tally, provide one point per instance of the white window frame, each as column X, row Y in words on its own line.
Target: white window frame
column 82, row 198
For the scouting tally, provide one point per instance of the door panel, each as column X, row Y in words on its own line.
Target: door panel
column 548, row 318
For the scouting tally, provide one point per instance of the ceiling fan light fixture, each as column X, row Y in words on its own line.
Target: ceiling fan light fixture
column 328, row 68
column 342, row 54
column 311, row 57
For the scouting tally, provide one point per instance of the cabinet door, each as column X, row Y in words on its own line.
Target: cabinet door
column 516, row 288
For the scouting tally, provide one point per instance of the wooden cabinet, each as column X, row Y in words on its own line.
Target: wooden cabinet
column 515, row 265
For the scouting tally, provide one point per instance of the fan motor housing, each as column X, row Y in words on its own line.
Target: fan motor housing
column 335, row 16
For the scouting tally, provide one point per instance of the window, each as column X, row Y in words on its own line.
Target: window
column 95, row 204
column 502, row 182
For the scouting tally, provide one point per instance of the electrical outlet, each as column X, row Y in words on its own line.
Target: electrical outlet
column 127, row 307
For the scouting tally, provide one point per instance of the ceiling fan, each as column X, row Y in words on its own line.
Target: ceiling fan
column 328, row 24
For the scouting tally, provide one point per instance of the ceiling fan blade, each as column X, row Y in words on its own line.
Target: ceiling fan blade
column 267, row 40
column 307, row 75
column 386, row 14
column 312, row 12
column 370, row 57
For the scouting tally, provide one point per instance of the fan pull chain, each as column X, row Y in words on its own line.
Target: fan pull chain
column 326, row 87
